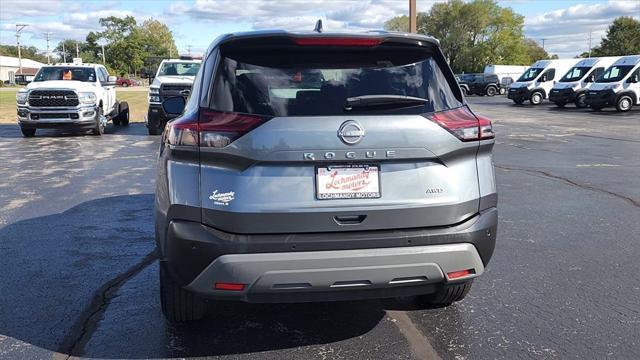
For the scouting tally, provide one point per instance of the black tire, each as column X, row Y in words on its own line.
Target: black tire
column 518, row 101
column 580, row 100
column 99, row 129
column 560, row 104
column 178, row 305
column 536, row 98
column 155, row 125
column 491, row 91
column 123, row 115
column 28, row 132
column 624, row 103
column 446, row 296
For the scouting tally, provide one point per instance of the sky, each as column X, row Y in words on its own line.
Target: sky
column 565, row 25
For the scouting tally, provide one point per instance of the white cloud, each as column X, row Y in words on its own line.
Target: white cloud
column 11, row 9
column 566, row 31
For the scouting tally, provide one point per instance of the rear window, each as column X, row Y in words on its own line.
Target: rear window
column 290, row 83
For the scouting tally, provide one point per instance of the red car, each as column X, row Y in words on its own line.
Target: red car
column 125, row 82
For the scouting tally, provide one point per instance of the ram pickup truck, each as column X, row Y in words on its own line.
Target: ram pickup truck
column 70, row 96
column 173, row 78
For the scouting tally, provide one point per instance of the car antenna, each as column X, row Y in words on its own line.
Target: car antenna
column 318, row 27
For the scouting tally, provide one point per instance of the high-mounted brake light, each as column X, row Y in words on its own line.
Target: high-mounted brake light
column 336, row 41
column 213, row 128
column 463, row 124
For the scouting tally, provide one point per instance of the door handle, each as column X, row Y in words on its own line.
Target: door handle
column 349, row 219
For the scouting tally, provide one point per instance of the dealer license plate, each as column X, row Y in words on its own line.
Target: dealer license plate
column 348, row 182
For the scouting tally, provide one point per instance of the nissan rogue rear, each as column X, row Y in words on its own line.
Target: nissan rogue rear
column 318, row 167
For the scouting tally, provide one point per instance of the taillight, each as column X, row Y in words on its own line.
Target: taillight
column 336, row 41
column 213, row 128
column 463, row 124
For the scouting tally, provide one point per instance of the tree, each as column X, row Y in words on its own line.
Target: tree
column 157, row 39
column 474, row 33
column 534, row 51
column 26, row 52
column 623, row 38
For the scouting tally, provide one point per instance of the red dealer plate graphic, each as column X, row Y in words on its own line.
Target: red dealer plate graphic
column 348, row 182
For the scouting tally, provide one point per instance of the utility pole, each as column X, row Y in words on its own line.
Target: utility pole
column 189, row 49
column 48, row 35
column 19, row 28
column 64, row 53
column 590, row 31
column 103, row 60
column 543, row 39
column 412, row 16
column 77, row 50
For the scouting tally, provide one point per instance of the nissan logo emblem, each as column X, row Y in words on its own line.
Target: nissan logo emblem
column 351, row 132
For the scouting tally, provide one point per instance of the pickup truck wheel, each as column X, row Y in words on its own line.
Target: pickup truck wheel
column 449, row 294
column 624, row 103
column 154, row 125
column 99, row 129
column 491, row 91
column 28, row 132
column 536, row 98
column 178, row 305
column 123, row 116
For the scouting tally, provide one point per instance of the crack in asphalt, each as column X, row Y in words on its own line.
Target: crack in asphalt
column 608, row 138
column 418, row 343
column 86, row 323
column 568, row 181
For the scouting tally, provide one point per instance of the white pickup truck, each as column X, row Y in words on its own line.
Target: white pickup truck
column 70, row 96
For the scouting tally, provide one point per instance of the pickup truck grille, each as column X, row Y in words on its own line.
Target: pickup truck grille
column 167, row 91
column 53, row 98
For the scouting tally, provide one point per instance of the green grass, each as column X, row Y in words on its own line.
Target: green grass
column 137, row 100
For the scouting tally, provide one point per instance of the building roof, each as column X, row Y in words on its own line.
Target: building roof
column 27, row 71
column 10, row 61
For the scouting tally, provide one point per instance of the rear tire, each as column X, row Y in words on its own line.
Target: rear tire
column 28, row 132
column 99, row 129
column 491, row 91
column 123, row 116
column 178, row 305
column 446, row 296
column 536, row 98
column 624, row 103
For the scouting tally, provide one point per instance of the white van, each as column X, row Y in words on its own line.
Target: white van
column 507, row 74
column 537, row 81
column 618, row 86
column 573, row 86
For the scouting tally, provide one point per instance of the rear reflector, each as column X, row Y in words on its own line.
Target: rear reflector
column 229, row 286
column 336, row 41
column 212, row 129
column 459, row 274
column 463, row 124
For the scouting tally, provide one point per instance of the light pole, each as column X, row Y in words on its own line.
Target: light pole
column 412, row 16
column 48, row 35
column 19, row 28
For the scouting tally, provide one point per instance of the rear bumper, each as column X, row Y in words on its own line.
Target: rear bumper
column 336, row 275
column 562, row 95
column 371, row 263
column 521, row 93
column 600, row 98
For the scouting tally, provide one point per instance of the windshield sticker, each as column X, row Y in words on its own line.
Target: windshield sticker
column 222, row 198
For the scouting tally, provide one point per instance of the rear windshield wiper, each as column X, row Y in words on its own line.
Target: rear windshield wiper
column 383, row 101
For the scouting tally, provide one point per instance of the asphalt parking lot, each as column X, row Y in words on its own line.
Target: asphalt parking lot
column 79, row 275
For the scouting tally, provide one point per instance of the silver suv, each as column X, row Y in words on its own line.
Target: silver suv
column 316, row 166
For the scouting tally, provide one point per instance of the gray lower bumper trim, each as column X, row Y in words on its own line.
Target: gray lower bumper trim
column 330, row 271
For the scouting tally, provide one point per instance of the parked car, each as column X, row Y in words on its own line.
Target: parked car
column 574, row 85
column 374, row 180
column 125, row 82
column 464, row 86
column 507, row 74
column 70, row 96
column 617, row 86
column 174, row 77
column 534, row 85
column 483, row 84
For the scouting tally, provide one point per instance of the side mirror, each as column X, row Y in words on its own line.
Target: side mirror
column 174, row 105
column 111, row 80
column 633, row 79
